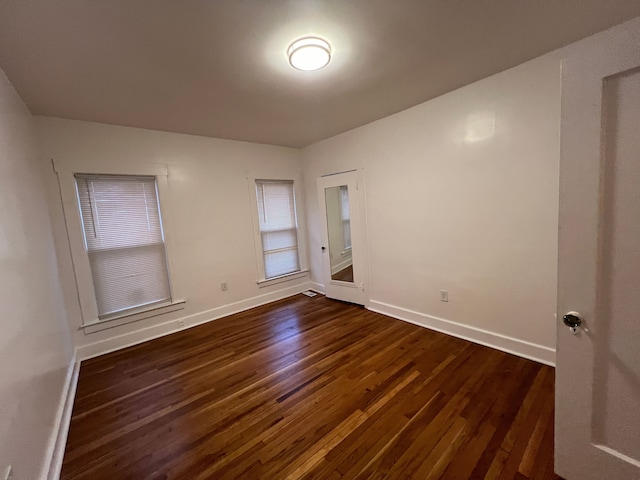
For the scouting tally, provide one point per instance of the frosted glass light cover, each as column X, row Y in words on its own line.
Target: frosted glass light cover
column 309, row 54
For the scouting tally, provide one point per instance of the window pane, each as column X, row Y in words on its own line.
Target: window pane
column 129, row 277
column 276, row 205
column 281, row 263
column 278, row 227
column 119, row 211
column 124, row 241
column 279, row 239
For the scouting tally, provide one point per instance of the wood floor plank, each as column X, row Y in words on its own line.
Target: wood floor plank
column 310, row 388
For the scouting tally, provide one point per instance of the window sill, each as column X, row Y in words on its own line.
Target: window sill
column 133, row 316
column 283, row 278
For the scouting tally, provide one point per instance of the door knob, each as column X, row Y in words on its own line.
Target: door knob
column 573, row 320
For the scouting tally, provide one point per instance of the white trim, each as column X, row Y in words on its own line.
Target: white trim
column 521, row 348
column 58, row 438
column 155, row 331
column 72, row 166
column 317, row 287
column 621, row 456
column 338, row 173
column 133, row 315
column 342, row 283
column 282, row 278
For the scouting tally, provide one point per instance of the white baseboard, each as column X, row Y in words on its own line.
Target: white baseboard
column 317, row 287
column 155, row 331
column 58, row 438
column 521, row 348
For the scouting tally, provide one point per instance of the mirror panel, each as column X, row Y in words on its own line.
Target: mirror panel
column 339, row 229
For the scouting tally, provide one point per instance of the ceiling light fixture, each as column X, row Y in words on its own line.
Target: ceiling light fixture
column 309, row 53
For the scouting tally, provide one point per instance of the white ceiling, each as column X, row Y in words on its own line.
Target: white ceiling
column 218, row 67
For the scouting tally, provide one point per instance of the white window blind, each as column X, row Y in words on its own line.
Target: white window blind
column 278, row 227
column 124, row 240
column 346, row 219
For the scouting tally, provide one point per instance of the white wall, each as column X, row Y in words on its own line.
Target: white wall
column 207, row 215
column 461, row 195
column 34, row 345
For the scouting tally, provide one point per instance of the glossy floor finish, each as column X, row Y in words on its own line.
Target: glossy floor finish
column 311, row 388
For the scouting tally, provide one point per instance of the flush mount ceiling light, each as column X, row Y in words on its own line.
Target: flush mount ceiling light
column 309, row 53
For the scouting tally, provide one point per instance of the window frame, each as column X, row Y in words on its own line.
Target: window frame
column 296, row 180
column 94, row 212
column 66, row 171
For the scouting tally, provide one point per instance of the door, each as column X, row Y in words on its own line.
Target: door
column 598, row 365
column 343, row 243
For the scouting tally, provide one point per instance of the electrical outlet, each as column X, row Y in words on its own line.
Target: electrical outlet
column 9, row 473
column 181, row 323
column 444, row 295
column 224, row 287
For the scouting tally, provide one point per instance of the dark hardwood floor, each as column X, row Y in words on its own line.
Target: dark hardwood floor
column 311, row 388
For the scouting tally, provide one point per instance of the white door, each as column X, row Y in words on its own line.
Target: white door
column 343, row 243
column 598, row 367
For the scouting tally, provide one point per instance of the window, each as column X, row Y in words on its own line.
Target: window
column 278, row 227
column 124, row 241
column 346, row 219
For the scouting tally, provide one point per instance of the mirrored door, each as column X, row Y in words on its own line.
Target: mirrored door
column 342, row 248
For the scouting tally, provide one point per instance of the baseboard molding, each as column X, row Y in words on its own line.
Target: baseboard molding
column 532, row 351
column 155, row 331
column 317, row 287
column 58, row 438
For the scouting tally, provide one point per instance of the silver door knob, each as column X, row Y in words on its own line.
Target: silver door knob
column 573, row 320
